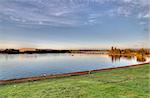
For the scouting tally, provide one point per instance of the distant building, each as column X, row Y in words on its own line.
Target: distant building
column 26, row 49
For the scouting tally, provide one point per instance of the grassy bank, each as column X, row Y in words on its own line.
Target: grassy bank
column 132, row 82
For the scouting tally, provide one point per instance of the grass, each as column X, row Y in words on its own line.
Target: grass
column 132, row 82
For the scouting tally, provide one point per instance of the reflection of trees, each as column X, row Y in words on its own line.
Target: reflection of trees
column 115, row 58
column 139, row 58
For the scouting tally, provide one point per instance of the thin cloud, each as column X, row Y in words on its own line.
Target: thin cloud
column 70, row 12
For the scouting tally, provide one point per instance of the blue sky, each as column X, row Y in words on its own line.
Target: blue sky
column 61, row 24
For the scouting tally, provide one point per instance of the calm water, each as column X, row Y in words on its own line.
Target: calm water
column 27, row 65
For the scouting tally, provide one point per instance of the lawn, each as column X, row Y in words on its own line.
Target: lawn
column 132, row 82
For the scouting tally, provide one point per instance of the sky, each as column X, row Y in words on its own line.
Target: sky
column 74, row 24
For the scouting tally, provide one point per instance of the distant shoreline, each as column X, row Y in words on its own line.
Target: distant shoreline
column 112, row 51
column 42, row 51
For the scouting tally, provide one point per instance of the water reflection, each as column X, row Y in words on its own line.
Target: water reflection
column 116, row 58
column 26, row 65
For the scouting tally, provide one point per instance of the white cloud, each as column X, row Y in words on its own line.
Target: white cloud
column 147, row 15
column 144, row 15
column 127, row 1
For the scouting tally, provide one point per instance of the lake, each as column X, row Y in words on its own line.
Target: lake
column 14, row 66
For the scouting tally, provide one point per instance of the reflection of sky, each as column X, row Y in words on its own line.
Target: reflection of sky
column 25, row 65
column 74, row 23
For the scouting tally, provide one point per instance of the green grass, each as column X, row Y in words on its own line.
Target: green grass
column 132, row 82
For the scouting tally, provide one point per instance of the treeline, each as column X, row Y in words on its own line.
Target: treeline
column 10, row 51
column 30, row 51
column 112, row 51
column 16, row 51
column 142, row 51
